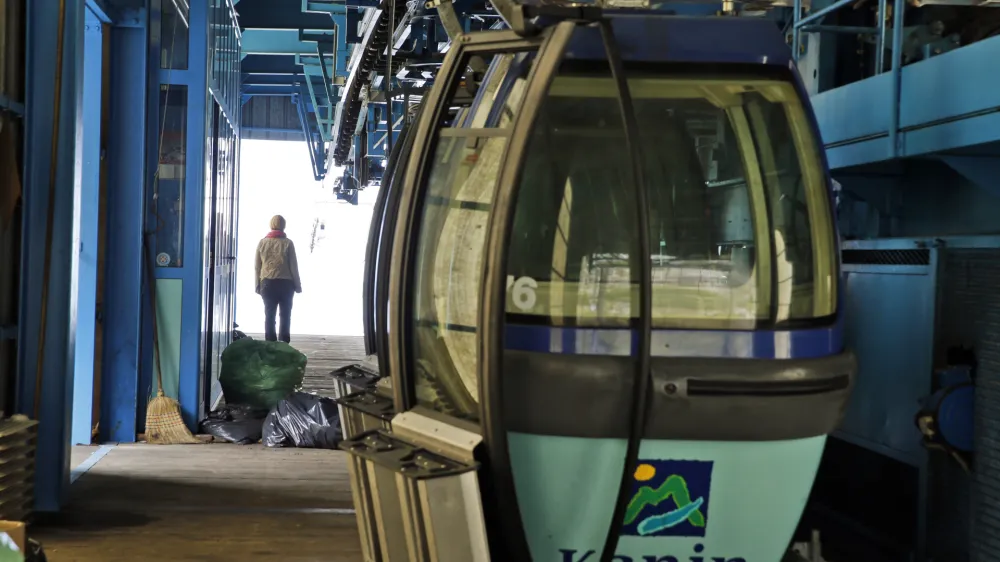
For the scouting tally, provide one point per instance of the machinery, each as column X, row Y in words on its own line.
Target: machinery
column 554, row 396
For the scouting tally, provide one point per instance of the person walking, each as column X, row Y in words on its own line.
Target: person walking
column 277, row 272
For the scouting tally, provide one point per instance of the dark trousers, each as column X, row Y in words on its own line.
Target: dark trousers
column 277, row 293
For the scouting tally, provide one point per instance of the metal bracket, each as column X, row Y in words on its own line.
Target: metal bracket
column 448, row 17
column 129, row 17
column 8, row 332
column 388, row 450
column 512, row 13
column 355, row 376
column 806, row 551
column 8, row 105
column 368, row 402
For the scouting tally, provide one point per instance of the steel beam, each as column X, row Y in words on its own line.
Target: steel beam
column 320, row 6
column 270, row 64
column 99, row 10
column 279, row 15
column 126, row 156
column 50, row 146
column 314, row 145
column 87, row 217
column 278, row 42
column 272, row 79
column 899, row 9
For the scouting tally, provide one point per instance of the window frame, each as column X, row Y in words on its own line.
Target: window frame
column 414, row 190
column 747, row 127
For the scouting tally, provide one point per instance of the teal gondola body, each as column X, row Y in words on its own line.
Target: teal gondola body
column 533, row 169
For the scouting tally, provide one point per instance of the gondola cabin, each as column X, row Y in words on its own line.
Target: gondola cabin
column 613, row 327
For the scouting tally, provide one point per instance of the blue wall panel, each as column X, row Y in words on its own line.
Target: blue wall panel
column 126, row 206
column 858, row 153
column 949, row 85
column 946, row 102
column 889, row 324
column 854, row 111
column 954, row 135
column 52, row 469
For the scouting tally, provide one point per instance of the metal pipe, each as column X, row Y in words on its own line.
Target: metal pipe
column 883, row 5
column 824, row 12
column 795, row 30
column 391, row 14
column 406, row 107
column 897, row 71
column 847, row 29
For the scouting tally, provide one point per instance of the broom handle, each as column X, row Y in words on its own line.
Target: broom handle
column 150, row 272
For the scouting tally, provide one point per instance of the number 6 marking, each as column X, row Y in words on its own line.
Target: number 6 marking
column 523, row 292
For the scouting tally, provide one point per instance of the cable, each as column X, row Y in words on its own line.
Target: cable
column 639, row 409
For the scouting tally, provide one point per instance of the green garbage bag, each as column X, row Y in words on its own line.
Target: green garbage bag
column 260, row 373
column 9, row 551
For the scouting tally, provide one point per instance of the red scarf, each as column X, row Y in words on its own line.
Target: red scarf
column 276, row 234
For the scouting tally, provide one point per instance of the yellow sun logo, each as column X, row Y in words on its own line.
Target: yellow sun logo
column 644, row 472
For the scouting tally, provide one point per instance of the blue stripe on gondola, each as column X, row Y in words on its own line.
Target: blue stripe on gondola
column 645, row 38
column 793, row 344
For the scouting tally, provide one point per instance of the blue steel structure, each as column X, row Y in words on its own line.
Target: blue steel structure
column 910, row 133
column 342, row 104
column 146, row 153
column 41, row 132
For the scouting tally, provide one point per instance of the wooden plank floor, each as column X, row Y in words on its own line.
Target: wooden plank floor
column 212, row 503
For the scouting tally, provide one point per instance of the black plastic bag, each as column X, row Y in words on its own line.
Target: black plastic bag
column 35, row 552
column 236, row 423
column 303, row 420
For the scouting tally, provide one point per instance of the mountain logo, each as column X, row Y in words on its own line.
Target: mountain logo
column 669, row 499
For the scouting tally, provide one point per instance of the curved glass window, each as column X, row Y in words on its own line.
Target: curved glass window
column 454, row 215
column 740, row 225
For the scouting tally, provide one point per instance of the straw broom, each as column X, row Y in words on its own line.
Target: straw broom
column 164, row 425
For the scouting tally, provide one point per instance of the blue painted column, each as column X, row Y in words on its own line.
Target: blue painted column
column 52, row 468
column 126, row 164
column 154, row 36
column 191, row 384
column 179, row 278
column 88, row 209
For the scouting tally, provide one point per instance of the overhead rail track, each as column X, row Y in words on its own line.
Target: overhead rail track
column 375, row 41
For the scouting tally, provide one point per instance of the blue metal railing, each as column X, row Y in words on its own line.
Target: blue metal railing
column 812, row 23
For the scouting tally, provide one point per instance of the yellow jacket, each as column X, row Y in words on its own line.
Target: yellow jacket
column 276, row 260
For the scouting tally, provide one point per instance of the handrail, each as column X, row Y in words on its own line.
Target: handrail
column 802, row 24
column 820, row 14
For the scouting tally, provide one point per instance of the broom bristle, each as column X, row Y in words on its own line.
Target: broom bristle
column 164, row 425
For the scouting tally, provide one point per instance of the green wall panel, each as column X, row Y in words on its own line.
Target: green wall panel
column 168, row 321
